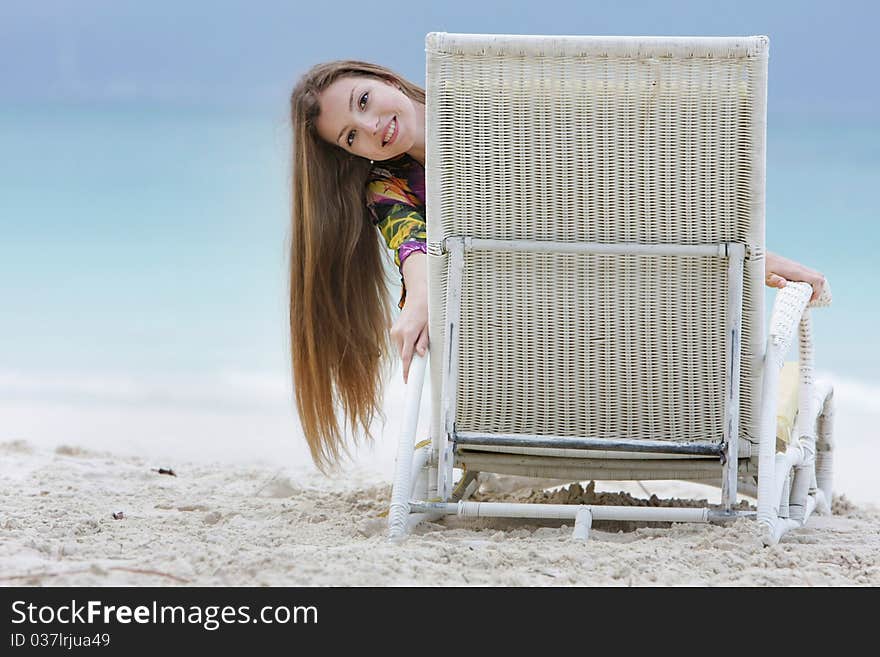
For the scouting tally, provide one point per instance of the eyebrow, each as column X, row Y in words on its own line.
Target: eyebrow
column 350, row 111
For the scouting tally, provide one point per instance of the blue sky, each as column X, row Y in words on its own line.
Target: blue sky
column 249, row 53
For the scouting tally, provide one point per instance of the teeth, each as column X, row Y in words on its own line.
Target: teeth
column 392, row 128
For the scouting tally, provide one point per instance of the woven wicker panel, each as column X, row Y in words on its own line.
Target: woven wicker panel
column 597, row 140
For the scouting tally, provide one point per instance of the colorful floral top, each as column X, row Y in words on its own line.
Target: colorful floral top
column 396, row 199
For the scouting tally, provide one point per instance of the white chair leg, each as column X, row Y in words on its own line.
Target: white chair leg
column 403, row 467
column 583, row 521
column 825, row 451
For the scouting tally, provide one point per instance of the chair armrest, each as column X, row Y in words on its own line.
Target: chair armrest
column 788, row 308
column 790, row 313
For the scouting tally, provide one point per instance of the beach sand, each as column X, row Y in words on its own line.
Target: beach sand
column 221, row 524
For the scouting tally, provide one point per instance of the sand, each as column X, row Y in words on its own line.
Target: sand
column 221, row 524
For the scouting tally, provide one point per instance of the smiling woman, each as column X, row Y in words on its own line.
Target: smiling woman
column 358, row 165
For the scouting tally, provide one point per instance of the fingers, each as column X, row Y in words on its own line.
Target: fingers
column 397, row 340
column 410, row 336
column 818, row 283
column 408, row 351
column 422, row 343
column 406, row 355
column 775, row 280
column 816, row 280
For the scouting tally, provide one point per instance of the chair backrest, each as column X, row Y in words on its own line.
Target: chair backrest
column 638, row 140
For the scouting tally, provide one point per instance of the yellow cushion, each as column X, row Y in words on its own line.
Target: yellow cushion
column 787, row 405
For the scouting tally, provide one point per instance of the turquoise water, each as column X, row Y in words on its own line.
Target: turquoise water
column 153, row 239
column 822, row 174
column 142, row 238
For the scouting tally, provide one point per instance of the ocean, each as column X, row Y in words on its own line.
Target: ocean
column 143, row 275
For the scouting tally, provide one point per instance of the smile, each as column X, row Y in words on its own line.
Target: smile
column 390, row 132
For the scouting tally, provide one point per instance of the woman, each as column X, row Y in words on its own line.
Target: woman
column 358, row 165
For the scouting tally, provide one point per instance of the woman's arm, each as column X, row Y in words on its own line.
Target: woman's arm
column 779, row 270
column 410, row 330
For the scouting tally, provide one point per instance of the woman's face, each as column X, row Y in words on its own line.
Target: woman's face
column 368, row 117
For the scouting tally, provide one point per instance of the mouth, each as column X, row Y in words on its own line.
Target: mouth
column 390, row 133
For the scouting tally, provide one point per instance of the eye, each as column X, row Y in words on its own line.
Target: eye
column 362, row 103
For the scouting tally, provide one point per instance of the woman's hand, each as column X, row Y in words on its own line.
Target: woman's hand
column 410, row 330
column 780, row 270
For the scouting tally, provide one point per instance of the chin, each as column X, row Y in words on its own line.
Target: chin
column 390, row 154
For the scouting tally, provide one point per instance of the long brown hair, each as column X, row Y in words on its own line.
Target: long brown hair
column 339, row 300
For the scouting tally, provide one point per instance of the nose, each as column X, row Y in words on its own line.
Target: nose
column 369, row 124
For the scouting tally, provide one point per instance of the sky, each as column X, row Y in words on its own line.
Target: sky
column 237, row 53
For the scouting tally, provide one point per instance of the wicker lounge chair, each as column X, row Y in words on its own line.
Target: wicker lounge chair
column 596, row 282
